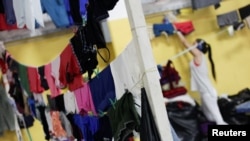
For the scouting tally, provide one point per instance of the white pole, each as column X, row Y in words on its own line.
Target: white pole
column 151, row 79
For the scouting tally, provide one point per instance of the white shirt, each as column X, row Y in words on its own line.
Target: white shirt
column 28, row 12
column 200, row 80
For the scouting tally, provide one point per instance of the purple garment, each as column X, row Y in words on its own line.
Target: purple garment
column 76, row 10
column 9, row 12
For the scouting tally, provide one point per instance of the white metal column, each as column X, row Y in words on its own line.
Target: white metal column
column 151, row 79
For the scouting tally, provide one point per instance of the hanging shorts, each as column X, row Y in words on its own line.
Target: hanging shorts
column 159, row 28
column 228, row 18
column 184, row 27
column 198, row 4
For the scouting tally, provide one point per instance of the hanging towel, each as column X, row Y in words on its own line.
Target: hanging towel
column 198, row 4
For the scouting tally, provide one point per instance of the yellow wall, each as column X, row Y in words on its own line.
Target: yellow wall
column 230, row 54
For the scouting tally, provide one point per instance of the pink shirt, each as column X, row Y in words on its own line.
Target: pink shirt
column 84, row 99
column 51, row 81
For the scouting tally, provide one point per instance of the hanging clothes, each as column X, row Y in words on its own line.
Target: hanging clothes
column 54, row 72
column 198, row 4
column 59, row 132
column 228, row 18
column 44, row 121
column 148, row 128
column 27, row 13
column 7, row 121
column 244, row 11
column 127, row 75
column 57, row 11
column 34, row 80
column 54, row 90
column 24, row 81
column 103, row 90
column 70, row 103
column 77, row 9
column 159, row 28
column 76, row 131
column 84, row 51
column 70, row 74
column 88, row 125
column 59, row 100
column 123, row 117
column 9, row 12
column 84, row 100
column 104, row 132
column 43, row 80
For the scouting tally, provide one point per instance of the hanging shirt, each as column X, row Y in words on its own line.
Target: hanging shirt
column 55, row 65
column 103, row 90
column 24, row 81
column 56, row 10
column 57, row 124
column 200, row 80
column 88, row 125
column 34, row 80
column 128, row 75
column 7, row 120
column 54, row 91
column 70, row 103
column 28, row 12
column 9, row 12
column 70, row 74
column 84, row 100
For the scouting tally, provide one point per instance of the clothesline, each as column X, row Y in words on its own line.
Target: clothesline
column 194, row 46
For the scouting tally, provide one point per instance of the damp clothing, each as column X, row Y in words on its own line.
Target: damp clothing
column 228, row 18
column 159, row 28
column 124, row 117
column 103, row 90
column 88, row 126
column 70, row 103
column 184, row 27
column 27, row 13
column 127, row 75
column 56, row 10
column 244, row 11
column 198, row 4
column 54, row 91
column 34, row 80
column 70, row 75
column 84, row 100
column 7, row 114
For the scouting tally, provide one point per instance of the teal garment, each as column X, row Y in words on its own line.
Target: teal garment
column 7, row 120
column 123, row 117
column 24, row 80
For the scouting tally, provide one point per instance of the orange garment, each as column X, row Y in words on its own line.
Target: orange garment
column 57, row 125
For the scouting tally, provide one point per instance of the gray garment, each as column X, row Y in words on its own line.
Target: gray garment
column 198, row 4
column 7, row 120
column 66, row 124
column 229, row 18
